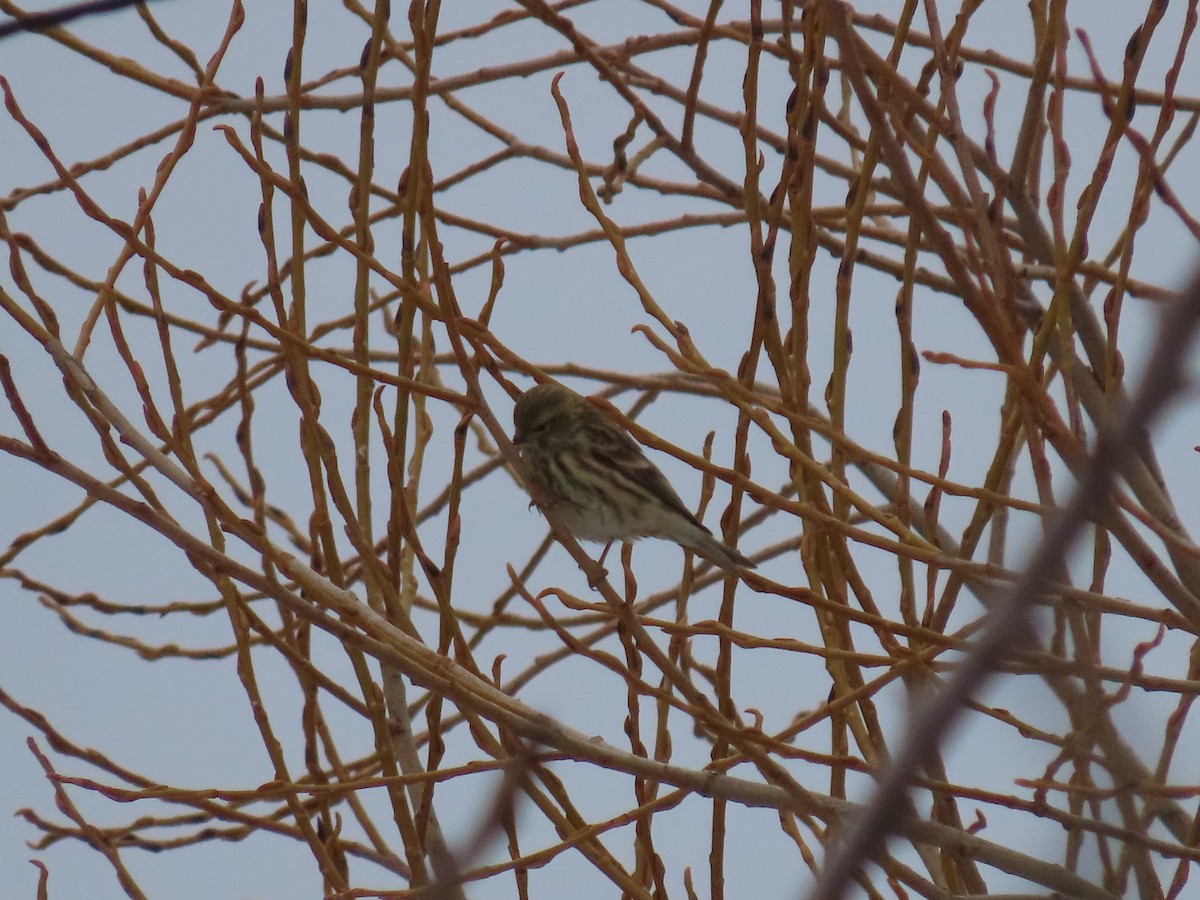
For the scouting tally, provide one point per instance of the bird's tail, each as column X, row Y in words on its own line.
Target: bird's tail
column 716, row 552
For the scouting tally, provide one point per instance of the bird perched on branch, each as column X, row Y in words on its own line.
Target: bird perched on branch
column 597, row 480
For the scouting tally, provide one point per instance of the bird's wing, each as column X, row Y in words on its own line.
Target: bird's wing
column 623, row 453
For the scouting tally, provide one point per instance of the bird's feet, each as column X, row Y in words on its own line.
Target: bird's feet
column 594, row 582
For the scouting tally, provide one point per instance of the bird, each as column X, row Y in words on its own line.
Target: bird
column 596, row 480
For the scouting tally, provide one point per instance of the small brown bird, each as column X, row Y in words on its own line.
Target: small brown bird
column 597, row 479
